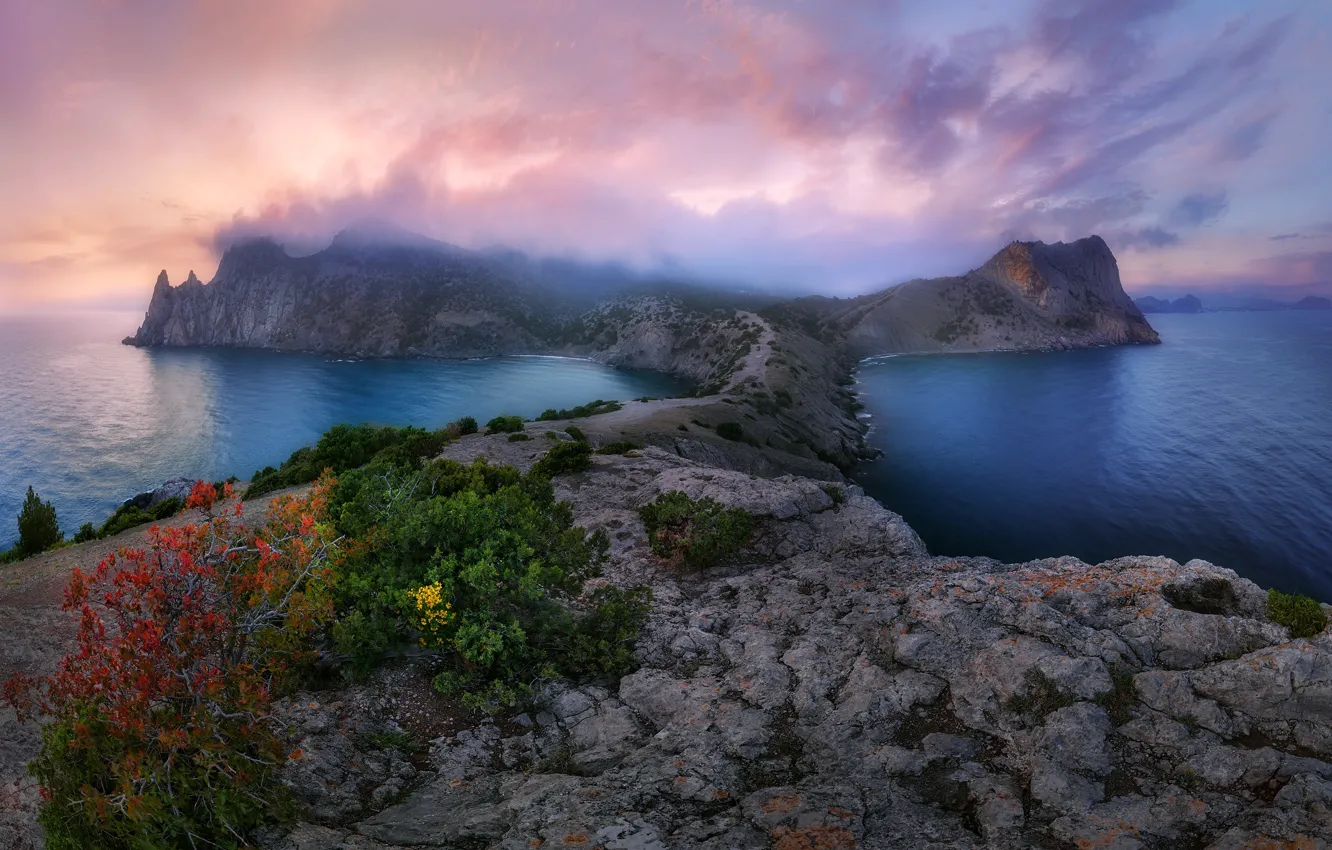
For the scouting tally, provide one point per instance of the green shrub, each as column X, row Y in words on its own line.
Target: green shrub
column 576, row 432
column 701, row 532
column 563, row 459
column 345, row 447
column 85, row 533
column 37, row 526
column 128, row 516
column 484, row 567
column 582, row 410
column 618, row 448
column 520, row 437
column 466, row 425
column 837, row 494
column 1301, row 614
column 730, row 431
column 504, row 425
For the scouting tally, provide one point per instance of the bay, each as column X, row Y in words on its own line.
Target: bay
column 1216, row 444
column 89, row 422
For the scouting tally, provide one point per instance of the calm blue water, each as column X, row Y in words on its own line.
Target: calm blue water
column 1216, row 444
column 90, row 422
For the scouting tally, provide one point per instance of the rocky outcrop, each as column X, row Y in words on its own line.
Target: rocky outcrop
column 391, row 293
column 377, row 295
column 1187, row 304
column 1029, row 297
column 172, row 488
column 838, row 687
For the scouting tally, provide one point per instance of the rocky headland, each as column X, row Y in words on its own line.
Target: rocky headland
column 834, row 685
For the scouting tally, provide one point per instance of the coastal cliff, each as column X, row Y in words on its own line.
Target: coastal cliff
column 1028, row 297
column 404, row 295
column 370, row 295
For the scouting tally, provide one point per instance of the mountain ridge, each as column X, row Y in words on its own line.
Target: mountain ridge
column 390, row 293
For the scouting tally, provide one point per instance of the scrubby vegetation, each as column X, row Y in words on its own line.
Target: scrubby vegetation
column 699, row 532
column 1301, row 614
column 504, row 425
column 158, row 730
column 576, row 432
column 730, row 431
column 481, row 565
column 564, row 459
column 590, row 409
column 618, row 448
column 1040, row 697
column 349, row 446
column 129, row 515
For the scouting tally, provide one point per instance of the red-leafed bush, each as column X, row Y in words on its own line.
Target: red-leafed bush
column 157, row 728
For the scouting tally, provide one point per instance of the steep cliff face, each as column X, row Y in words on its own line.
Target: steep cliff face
column 362, row 296
column 1029, row 296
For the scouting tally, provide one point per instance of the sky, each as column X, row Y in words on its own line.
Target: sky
column 831, row 146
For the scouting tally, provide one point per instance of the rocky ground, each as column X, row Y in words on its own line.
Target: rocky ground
column 833, row 687
column 837, row 687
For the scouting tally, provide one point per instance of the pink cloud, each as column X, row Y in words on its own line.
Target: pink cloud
column 783, row 142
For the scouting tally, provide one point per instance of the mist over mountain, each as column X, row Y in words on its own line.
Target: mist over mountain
column 381, row 291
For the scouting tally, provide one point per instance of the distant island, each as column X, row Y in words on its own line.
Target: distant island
column 1187, row 304
column 1254, row 304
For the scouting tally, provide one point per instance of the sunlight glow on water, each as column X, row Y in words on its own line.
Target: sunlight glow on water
column 90, row 422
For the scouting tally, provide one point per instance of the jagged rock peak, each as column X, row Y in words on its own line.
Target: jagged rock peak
column 162, row 282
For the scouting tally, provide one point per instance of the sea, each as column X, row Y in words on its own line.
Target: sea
column 89, row 422
column 1216, row 444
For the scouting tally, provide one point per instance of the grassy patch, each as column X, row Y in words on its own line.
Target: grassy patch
column 1301, row 614
column 1118, row 701
column 1041, row 697
column 701, row 532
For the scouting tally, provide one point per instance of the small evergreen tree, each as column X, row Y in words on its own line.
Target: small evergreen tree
column 37, row 526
